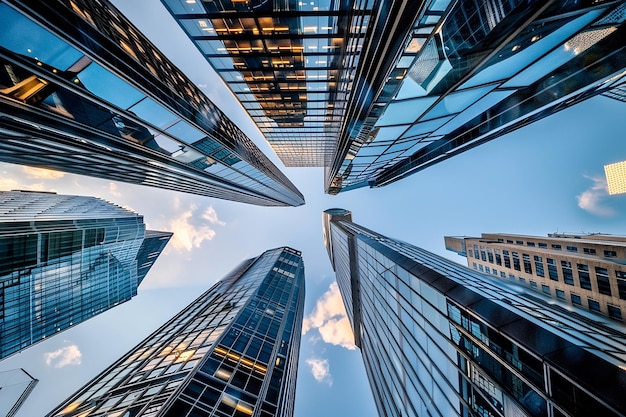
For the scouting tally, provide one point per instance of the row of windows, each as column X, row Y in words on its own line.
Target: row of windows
column 553, row 246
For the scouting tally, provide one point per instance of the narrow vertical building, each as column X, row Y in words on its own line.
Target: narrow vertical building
column 84, row 91
column 440, row 339
column 231, row 352
column 65, row 259
column 588, row 271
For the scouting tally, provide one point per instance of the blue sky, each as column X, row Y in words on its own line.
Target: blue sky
column 544, row 178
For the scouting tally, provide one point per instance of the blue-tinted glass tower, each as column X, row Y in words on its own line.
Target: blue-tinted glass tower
column 231, row 352
column 83, row 91
column 375, row 91
column 439, row 339
column 65, row 259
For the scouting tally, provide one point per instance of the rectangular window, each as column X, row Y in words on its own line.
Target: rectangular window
column 552, row 272
column 519, row 242
column 527, row 267
column 480, row 268
column 576, row 299
column 507, row 261
column 476, row 255
column 566, row 268
column 471, row 253
column 602, row 278
column 585, row 281
column 589, row 251
column 543, row 245
column 511, row 276
column 556, row 247
column 509, row 241
column 533, row 285
column 610, row 253
column 539, row 266
column 621, row 284
column 483, row 256
column 572, row 249
column 516, row 263
column 614, row 312
column 545, row 289
column 487, row 270
column 594, row 305
column 498, row 259
column 474, row 265
column 532, row 244
column 560, row 294
column 522, row 280
column 494, row 271
column 502, row 274
column 490, row 256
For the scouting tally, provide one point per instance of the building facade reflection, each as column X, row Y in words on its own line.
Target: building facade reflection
column 83, row 91
column 232, row 352
column 376, row 91
column 440, row 339
column 65, row 259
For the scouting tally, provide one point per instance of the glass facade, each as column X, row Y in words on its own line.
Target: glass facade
column 86, row 92
column 65, row 259
column 440, row 339
column 15, row 386
column 376, row 90
column 231, row 352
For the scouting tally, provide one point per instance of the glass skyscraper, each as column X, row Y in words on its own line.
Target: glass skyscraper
column 83, row 91
column 377, row 90
column 15, row 386
column 231, row 352
column 440, row 339
column 65, row 259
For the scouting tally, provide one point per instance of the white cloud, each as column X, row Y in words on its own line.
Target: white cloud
column 320, row 370
column 210, row 215
column 191, row 230
column 42, row 173
column 113, row 189
column 591, row 199
column 12, row 184
column 329, row 318
column 68, row 355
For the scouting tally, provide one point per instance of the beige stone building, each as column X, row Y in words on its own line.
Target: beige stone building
column 587, row 271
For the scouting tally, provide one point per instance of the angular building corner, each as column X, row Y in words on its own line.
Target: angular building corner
column 376, row 91
column 231, row 352
column 438, row 338
column 65, row 259
column 83, row 91
column 15, row 387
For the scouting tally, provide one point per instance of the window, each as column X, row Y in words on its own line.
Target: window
column 490, row 256
column 539, row 266
column 566, row 268
column 509, row 241
column 487, row 270
column 583, row 276
column 483, row 256
column 543, row 245
column 494, row 271
column 610, row 253
column 522, row 280
column 560, row 294
column 556, row 247
column 474, row 265
column 476, row 255
column 614, row 312
column 471, row 253
column 527, row 267
column 502, row 274
column 602, row 278
column 516, row 263
column 552, row 272
column 533, row 285
column 594, row 305
column 530, row 244
column 498, row 259
column 545, row 289
column 621, row 284
column 480, row 268
column 589, row 251
column 572, row 249
column 519, row 242
column 507, row 259
column 576, row 299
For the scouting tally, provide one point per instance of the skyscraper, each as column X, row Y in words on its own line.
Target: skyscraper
column 65, row 259
column 584, row 270
column 83, row 91
column 15, row 386
column 231, row 352
column 375, row 91
column 440, row 339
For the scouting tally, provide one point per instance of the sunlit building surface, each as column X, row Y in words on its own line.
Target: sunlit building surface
column 439, row 339
column 587, row 271
column 15, row 386
column 65, row 259
column 616, row 177
column 376, row 91
column 231, row 352
column 83, row 91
